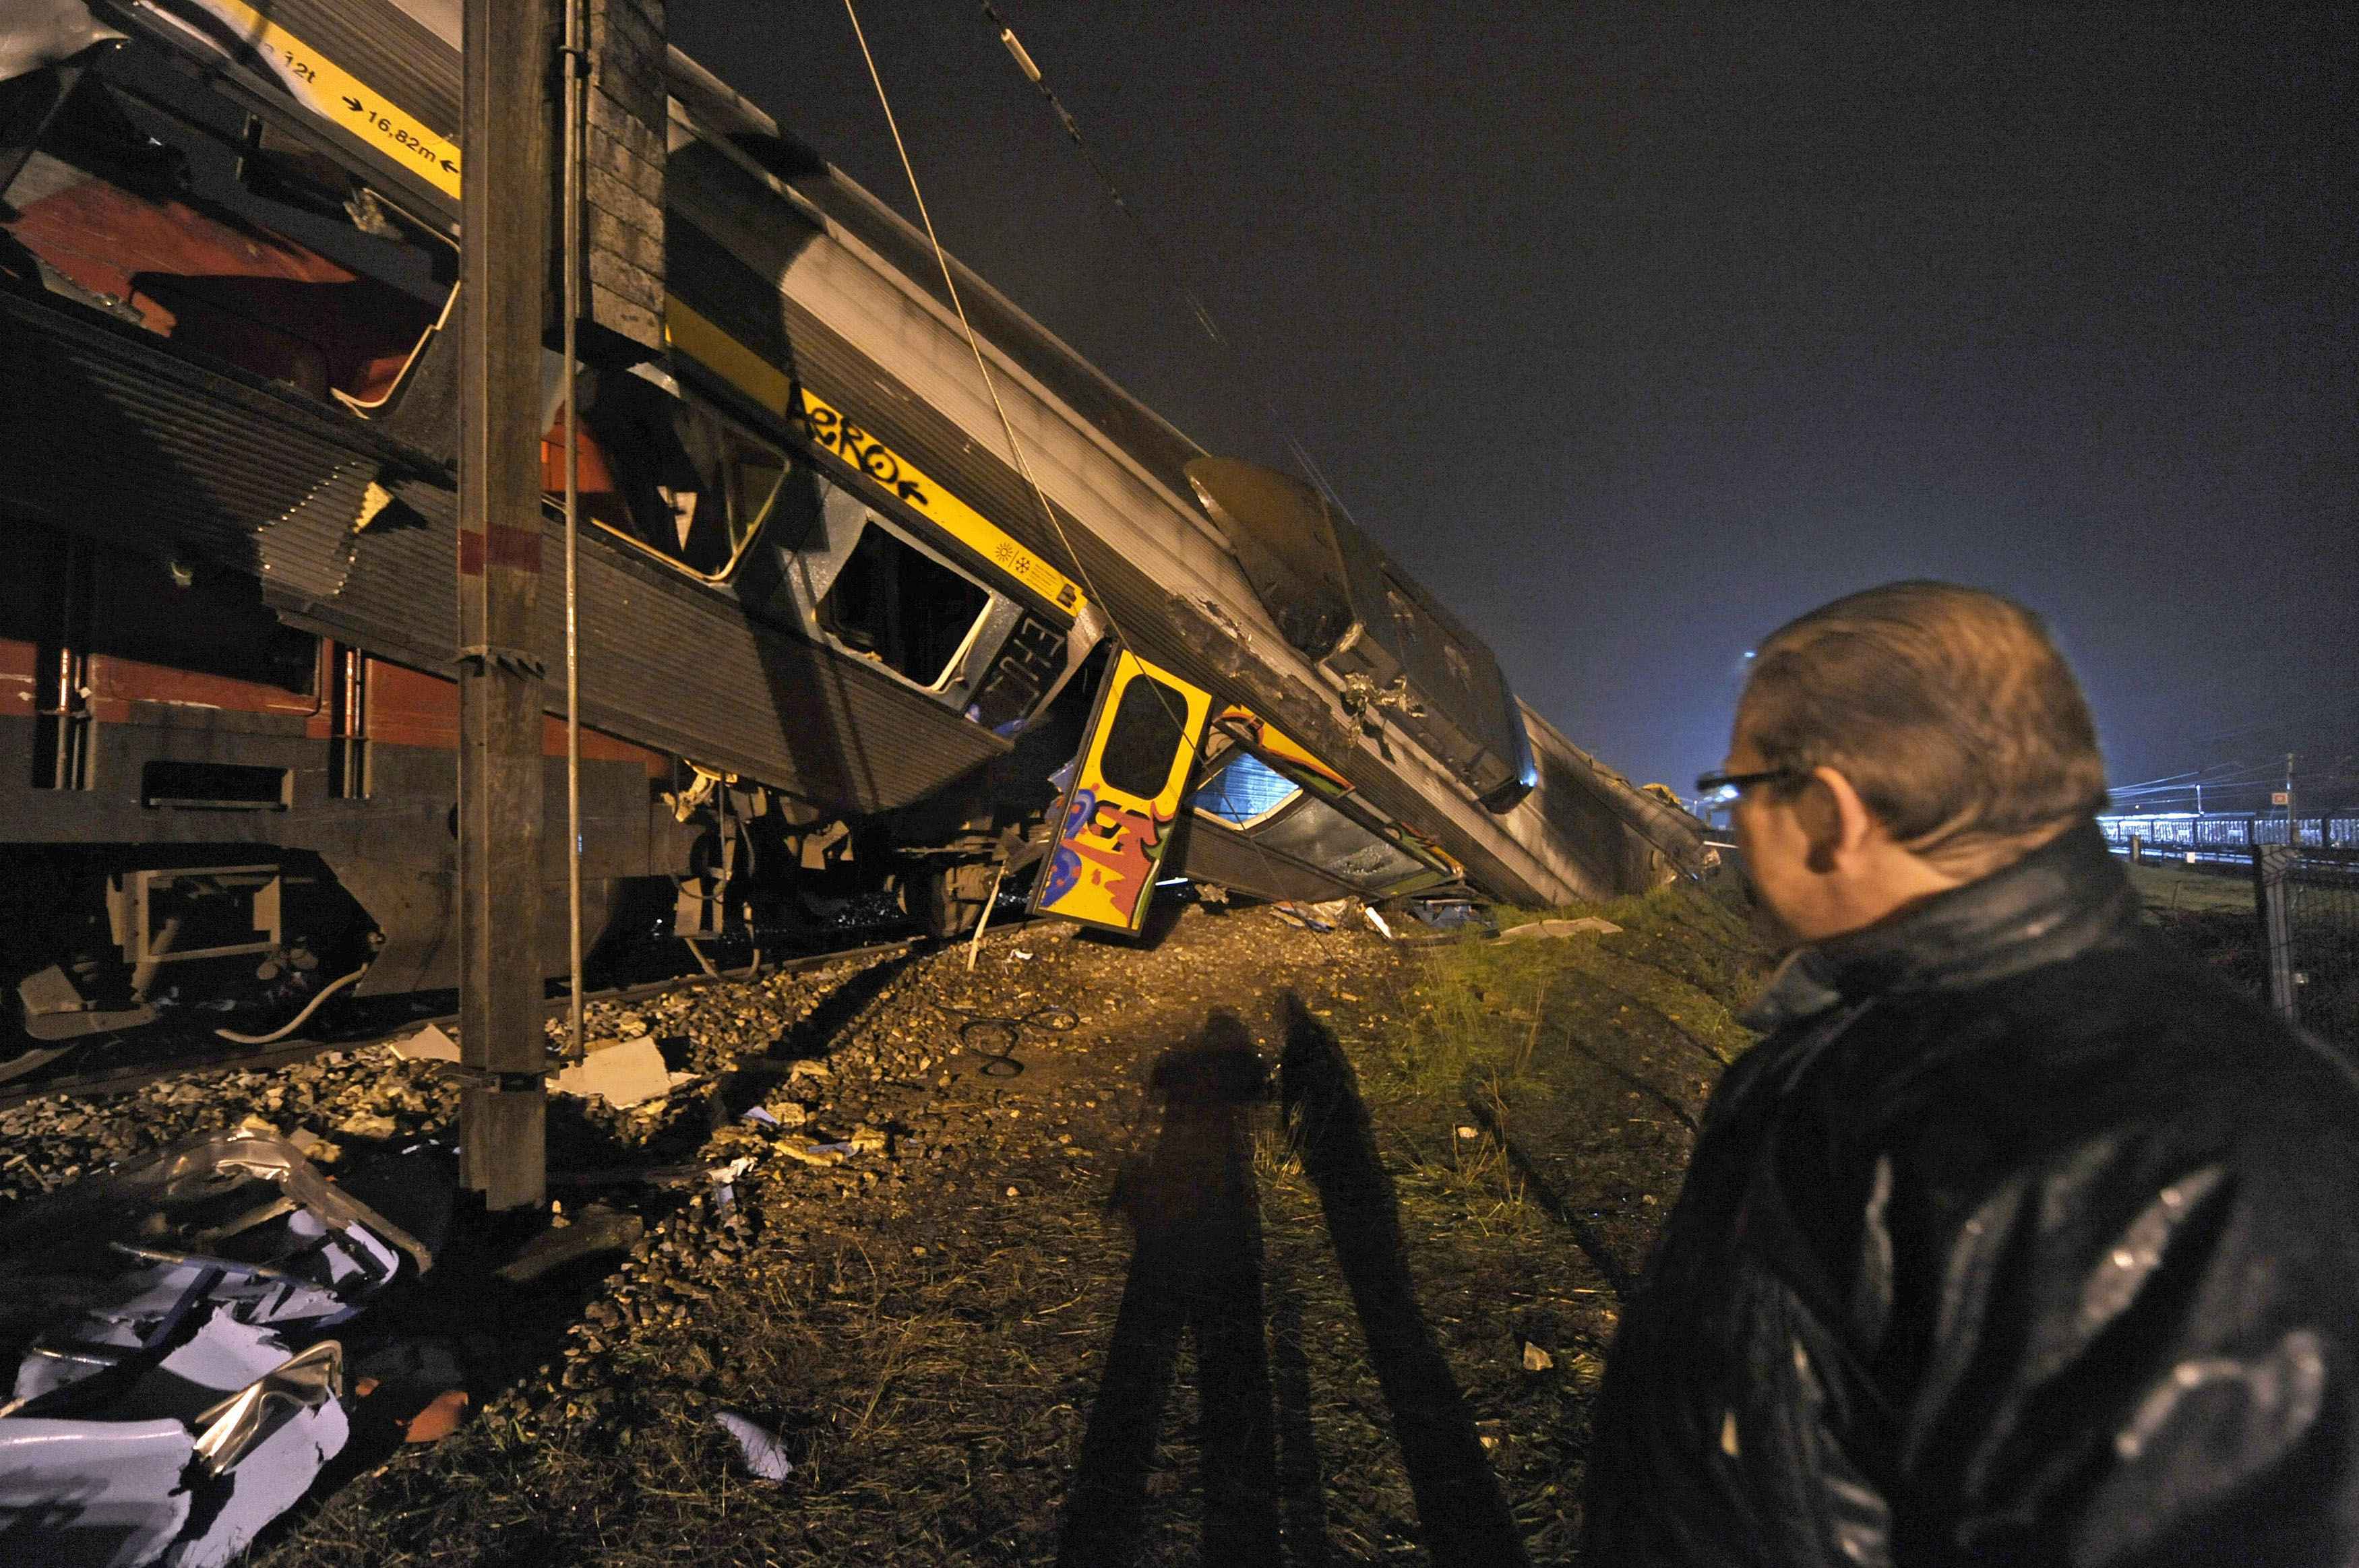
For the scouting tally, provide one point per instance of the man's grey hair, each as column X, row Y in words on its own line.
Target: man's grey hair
column 1948, row 708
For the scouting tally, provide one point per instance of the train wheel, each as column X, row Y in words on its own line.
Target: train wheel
column 946, row 901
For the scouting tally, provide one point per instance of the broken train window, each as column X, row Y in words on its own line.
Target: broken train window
column 133, row 190
column 899, row 607
column 1319, row 834
column 1245, row 791
column 664, row 473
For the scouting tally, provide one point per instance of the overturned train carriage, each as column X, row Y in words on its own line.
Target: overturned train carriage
column 829, row 633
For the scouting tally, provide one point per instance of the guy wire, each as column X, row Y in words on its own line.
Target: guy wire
column 1008, row 425
column 1161, row 253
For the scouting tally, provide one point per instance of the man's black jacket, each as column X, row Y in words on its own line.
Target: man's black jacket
column 2017, row 1242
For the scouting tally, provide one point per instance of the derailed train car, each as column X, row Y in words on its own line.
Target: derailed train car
column 831, row 637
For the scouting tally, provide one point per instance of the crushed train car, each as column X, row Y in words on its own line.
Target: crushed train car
column 832, row 641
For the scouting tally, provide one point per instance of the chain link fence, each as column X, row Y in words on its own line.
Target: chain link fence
column 2308, row 905
column 2297, row 948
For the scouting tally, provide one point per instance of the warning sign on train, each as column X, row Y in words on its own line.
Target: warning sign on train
column 336, row 95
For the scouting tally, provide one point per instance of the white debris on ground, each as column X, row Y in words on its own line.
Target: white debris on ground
column 392, row 1094
column 623, row 1073
column 1587, row 925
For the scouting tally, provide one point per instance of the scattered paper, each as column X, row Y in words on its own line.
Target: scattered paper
column 629, row 1072
column 758, row 1446
column 428, row 1044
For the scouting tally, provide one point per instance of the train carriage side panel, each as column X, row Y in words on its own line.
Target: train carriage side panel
column 909, row 375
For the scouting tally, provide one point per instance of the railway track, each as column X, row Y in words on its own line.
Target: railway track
column 127, row 1077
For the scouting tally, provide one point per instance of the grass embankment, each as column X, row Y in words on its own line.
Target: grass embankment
column 1536, row 1101
column 2193, row 890
column 2206, row 914
column 1121, row 1306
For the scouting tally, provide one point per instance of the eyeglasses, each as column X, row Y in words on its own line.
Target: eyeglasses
column 1728, row 786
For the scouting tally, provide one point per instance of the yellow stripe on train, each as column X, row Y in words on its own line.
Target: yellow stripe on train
column 344, row 100
column 765, row 384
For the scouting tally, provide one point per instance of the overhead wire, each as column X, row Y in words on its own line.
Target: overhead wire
column 1160, row 252
column 975, row 344
column 1163, row 257
column 1007, row 424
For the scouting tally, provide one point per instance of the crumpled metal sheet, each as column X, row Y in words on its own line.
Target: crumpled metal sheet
column 85, row 1494
column 172, row 1392
column 307, row 549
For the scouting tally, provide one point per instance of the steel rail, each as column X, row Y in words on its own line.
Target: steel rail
column 123, row 1080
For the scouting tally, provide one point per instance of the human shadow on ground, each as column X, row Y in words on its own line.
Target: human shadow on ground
column 1463, row 1514
column 1196, row 1269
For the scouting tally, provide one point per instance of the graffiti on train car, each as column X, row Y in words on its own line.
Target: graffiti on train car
column 1113, row 828
column 862, row 451
column 1119, row 845
column 832, row 428
column 834, row 431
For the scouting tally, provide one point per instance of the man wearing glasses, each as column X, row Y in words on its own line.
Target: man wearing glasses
column 2015, row 1240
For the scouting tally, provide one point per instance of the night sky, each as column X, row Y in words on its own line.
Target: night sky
column 1635, row 330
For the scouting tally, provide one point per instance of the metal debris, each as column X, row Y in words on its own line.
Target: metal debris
column 1322, row 917
column 172, row 1392
column 594, row 1229
column 1441, row 919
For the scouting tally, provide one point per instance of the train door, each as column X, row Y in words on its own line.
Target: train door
column 1130, row 783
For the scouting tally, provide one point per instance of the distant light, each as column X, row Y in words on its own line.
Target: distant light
column 1748, row 652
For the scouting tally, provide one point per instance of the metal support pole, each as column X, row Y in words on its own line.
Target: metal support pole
column 504, row 270
column 576, row 70
column 2273, row 903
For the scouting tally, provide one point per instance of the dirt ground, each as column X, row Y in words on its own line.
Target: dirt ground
column 1282, row 1246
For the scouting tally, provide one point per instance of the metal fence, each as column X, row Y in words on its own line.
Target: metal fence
column 2308, row 905
column 2304, row 911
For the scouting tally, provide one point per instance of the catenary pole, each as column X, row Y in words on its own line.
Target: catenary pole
column 576, row 72
column 504, row 216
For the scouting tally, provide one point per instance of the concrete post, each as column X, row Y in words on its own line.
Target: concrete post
column 508, row 119
column 2273, row 901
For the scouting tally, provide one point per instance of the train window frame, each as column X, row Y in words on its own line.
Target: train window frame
column 690, row 404
column 961, row 657
column 1238, row 757
column 369, row 408
column 233, row 181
